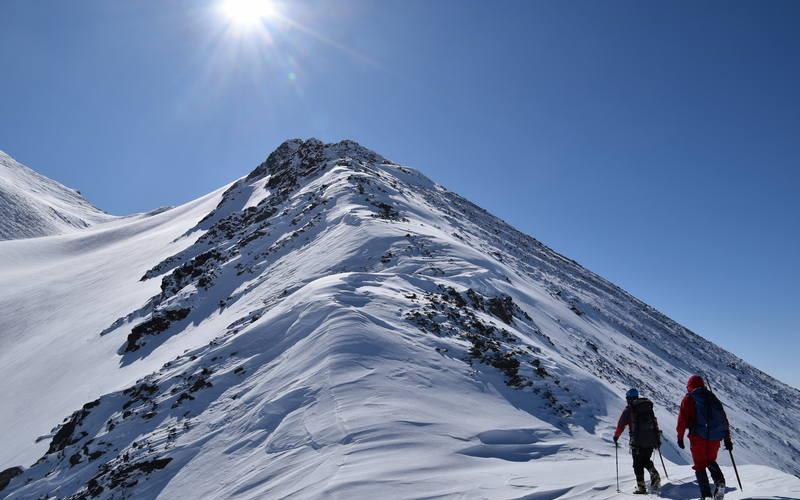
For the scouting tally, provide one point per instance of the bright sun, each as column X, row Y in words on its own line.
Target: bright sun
column 249, row 13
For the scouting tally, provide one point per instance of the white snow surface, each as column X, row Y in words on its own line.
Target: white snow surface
column 335, row 325
column 32, row 205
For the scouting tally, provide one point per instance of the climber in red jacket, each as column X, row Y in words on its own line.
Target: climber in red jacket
column 703, row 415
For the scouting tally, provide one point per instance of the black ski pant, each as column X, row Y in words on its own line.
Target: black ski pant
column 641, row 461
column 702, row 478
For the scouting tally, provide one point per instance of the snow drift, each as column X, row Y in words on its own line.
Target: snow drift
column 336, row 325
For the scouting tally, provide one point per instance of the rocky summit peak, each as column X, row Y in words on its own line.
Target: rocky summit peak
column 305, row 155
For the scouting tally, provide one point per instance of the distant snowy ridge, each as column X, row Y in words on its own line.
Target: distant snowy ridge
column 335, row 325
column 32, row 205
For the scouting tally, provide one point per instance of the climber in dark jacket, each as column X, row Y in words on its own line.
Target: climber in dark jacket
column 703, row 415
column 638, row 416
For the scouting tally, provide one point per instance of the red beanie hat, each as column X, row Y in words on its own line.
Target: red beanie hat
column 694, row 382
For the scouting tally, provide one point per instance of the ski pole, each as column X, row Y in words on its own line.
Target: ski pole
column 736, row 471
column 616, row 459
column 661, row 439
column 708, row 382
column 662, row 462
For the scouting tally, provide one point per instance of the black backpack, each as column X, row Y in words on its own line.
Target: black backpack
column 644, row 427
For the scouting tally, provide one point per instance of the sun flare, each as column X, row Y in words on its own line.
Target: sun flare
column 249, row 13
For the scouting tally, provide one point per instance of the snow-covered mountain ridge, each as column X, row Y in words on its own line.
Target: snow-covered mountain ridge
column 336, row 325
column 32, row 205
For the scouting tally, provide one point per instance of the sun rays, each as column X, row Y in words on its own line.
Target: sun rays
column 249, row 14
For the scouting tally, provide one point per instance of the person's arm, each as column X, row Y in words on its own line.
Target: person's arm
column 685, row 417
column 624, row 421
column 658, row 429
column 727, row 440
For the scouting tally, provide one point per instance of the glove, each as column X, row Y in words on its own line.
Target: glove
column 728, row 443
column 616, row 440
column 680, row 443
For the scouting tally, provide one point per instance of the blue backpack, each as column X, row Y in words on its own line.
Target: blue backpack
column 710, row 420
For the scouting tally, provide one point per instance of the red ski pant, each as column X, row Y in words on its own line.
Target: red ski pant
column 704, row 451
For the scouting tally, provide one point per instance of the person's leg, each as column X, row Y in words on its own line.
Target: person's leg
column 716, row 473
column 647, row 458
column 702, row 482
column 699, row 448
column 638, row 469
column 638, row 464
column 713, row 468
column 712, row 448
column 655, row 478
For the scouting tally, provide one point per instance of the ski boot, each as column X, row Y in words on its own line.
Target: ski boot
column 655, row 481
column 719, row 490
column 641, row 489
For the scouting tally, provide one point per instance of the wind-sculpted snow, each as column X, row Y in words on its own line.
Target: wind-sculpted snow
column 339, row 326
column 32, row 205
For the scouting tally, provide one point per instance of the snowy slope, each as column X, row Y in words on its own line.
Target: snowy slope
column 335, row 325
column 56, row 295
column 32, row 205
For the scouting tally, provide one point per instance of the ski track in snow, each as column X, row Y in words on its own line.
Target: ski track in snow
column 338, row 326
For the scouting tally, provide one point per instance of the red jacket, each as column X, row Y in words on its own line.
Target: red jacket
column 624, row 421
column 686, row 416
column 688, row 412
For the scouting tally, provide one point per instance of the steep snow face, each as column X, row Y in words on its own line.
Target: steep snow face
column 336, row 325
column 32, row 205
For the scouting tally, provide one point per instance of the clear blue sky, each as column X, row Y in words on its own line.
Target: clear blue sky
column 657, row 143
